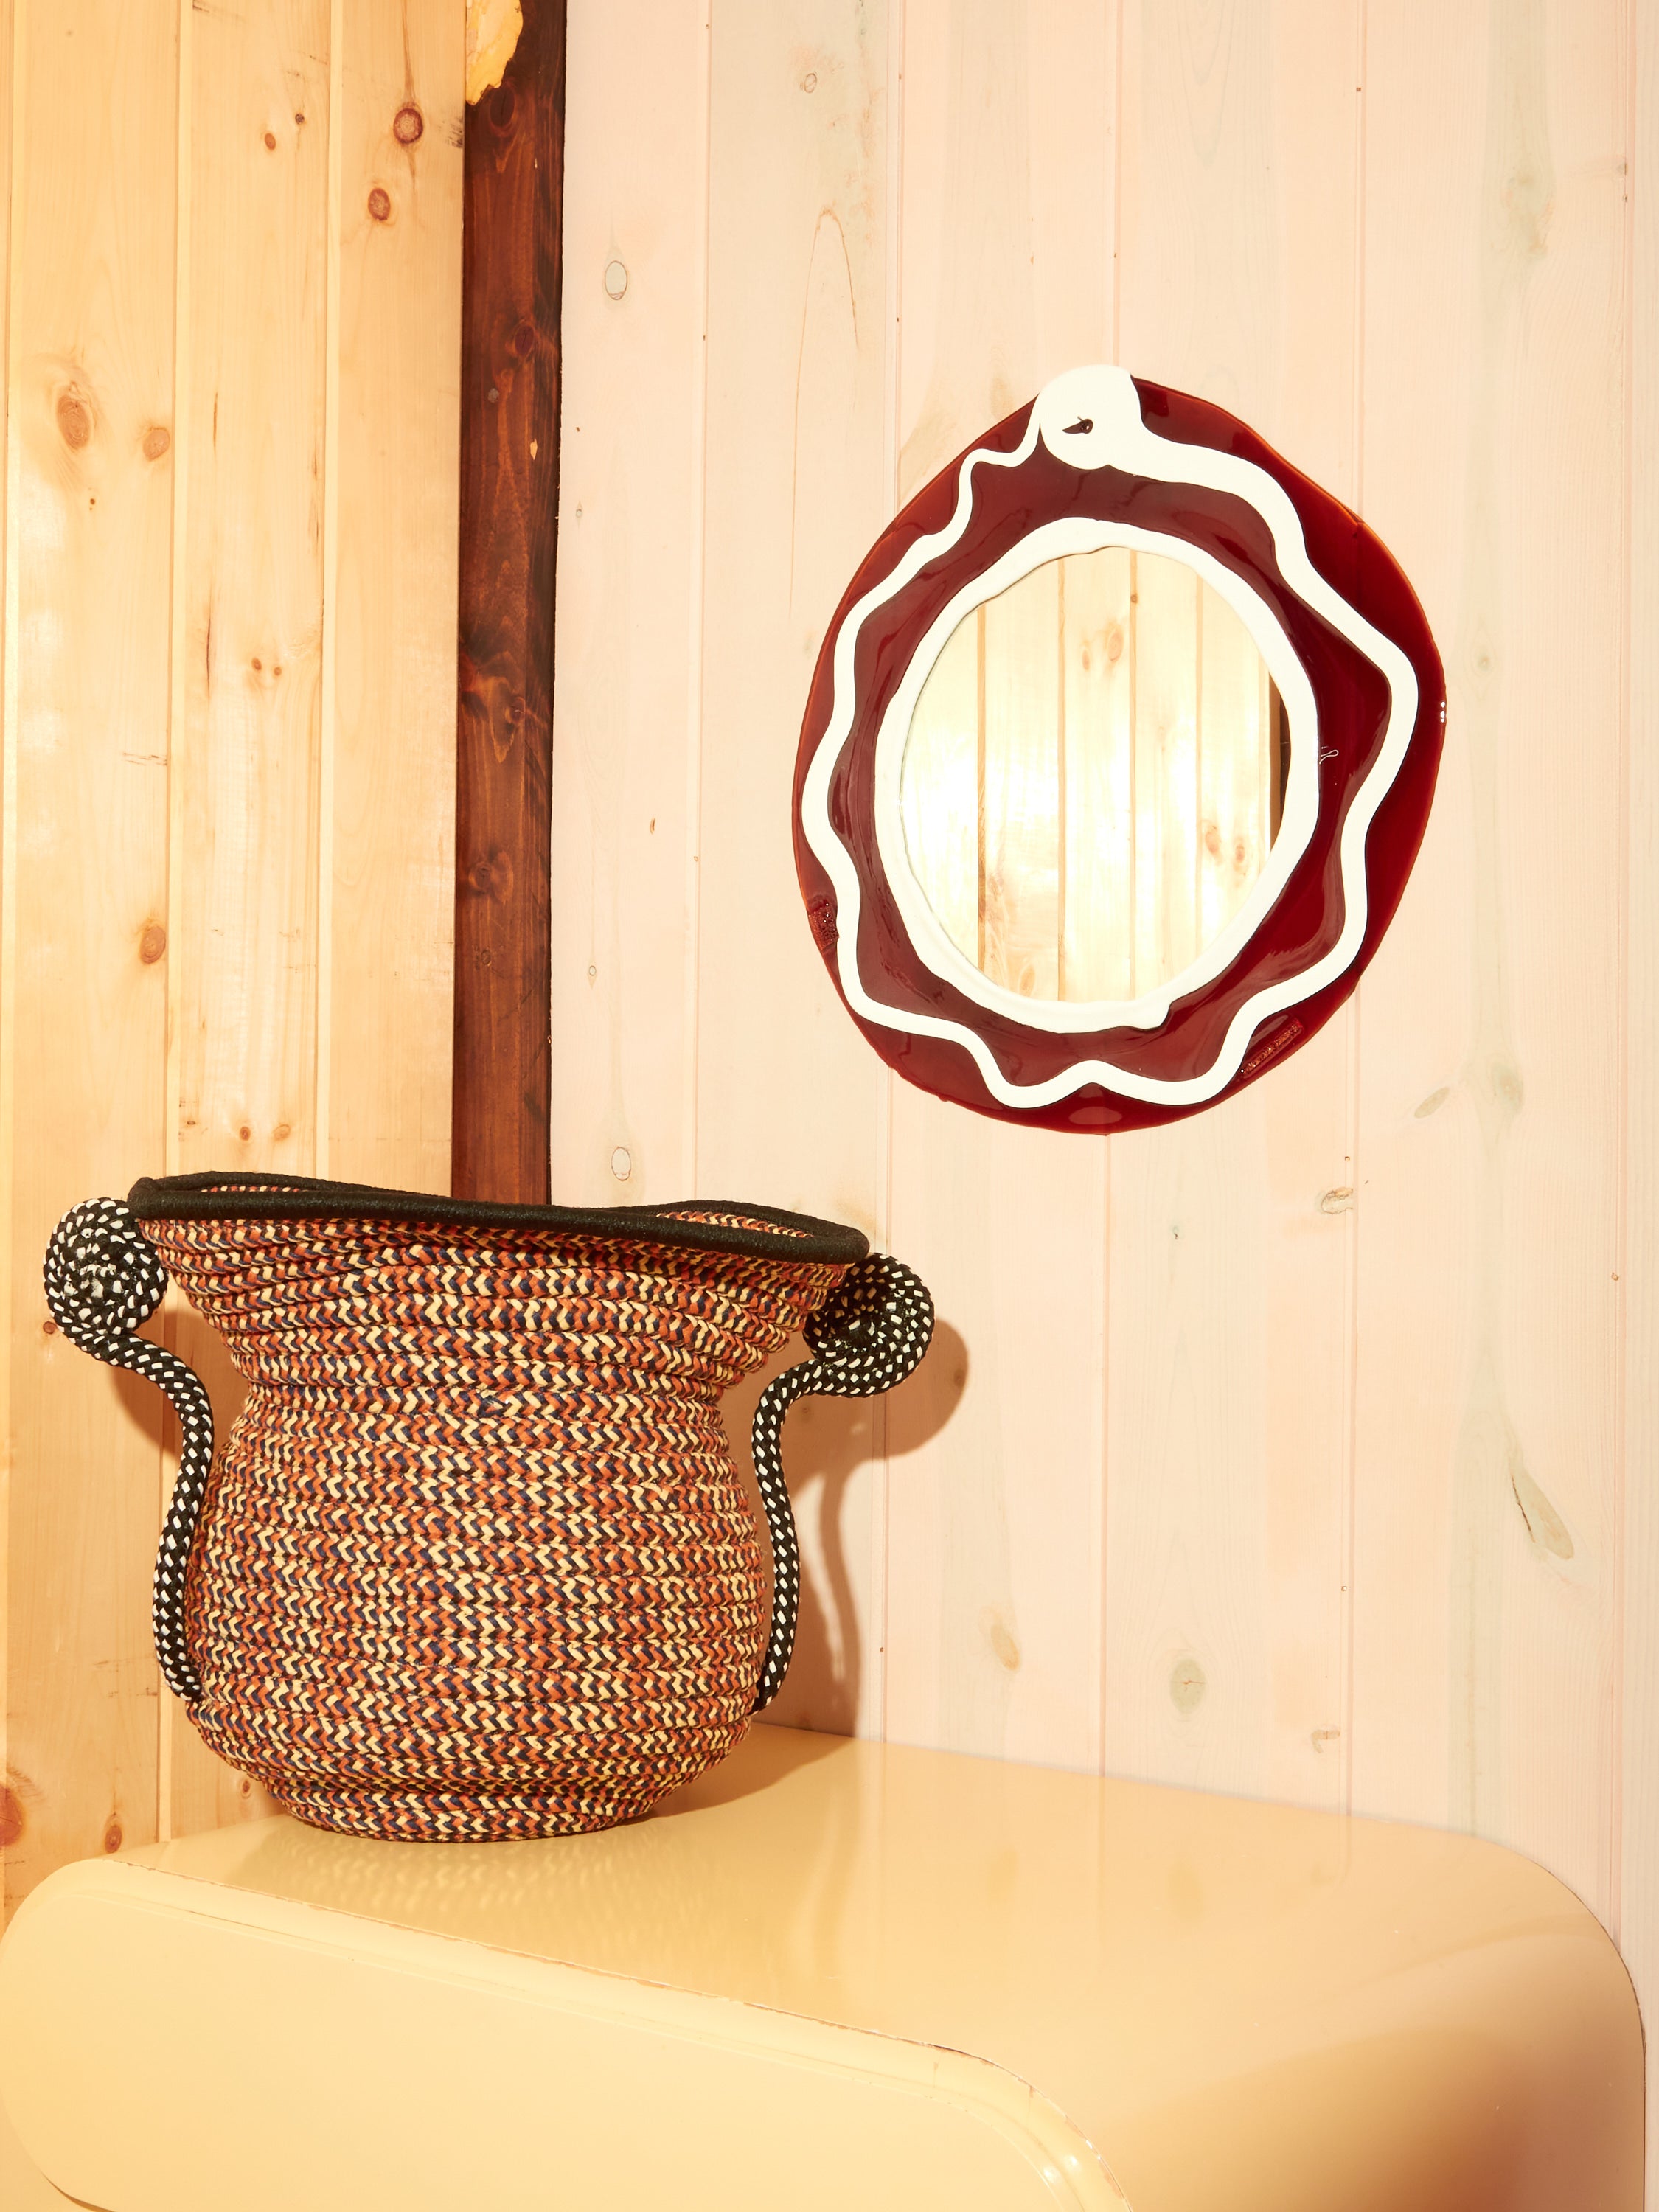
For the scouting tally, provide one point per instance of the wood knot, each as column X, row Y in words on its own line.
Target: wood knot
column 1188, row 1683
column 11, row 1816
column 492, row 876
column 523, row 341
column 503, row 107
column 270, row 142
column 74, row 420
column 380, row 203
column 157, row 439
column 1003, row 1641
column 112, row 1836
column 152, row 943
column 408, row 124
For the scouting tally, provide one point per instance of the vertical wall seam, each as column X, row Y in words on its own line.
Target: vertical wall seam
column 178, row 614
column 893, row 326
column 9, row 623
column 1115, row 231
column 179, row 605
column 1615, row 1845
column 1347, row 1537
column 697, row 613
column 322, row 1040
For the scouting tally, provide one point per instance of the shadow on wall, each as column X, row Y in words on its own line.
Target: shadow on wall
column 826, row 1441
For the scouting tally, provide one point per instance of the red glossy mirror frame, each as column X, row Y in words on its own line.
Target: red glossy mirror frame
column 1102, row 459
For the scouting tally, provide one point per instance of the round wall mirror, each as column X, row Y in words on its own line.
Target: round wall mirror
column 1119, row 750
column 1094, row 775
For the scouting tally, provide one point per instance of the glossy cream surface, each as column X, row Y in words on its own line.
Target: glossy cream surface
column 1217, row 2002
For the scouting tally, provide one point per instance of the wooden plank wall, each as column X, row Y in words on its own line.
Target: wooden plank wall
column 232, row 293
column 1307, row 1447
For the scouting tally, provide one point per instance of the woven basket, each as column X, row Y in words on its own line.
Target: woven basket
column 475, row 1561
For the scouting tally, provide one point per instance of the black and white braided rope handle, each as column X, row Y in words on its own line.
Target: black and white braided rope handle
column 865, row 1338
column 104, row 1278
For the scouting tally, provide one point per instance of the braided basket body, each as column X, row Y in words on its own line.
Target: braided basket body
column 476, row 1559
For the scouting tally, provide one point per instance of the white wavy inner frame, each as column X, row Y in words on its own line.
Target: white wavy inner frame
column 1052, row 541
column 1106, row 397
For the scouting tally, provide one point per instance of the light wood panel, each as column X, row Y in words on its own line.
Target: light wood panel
column 84, row 997
column 790, row 1105
column 1100, row 787
column 357, row 772
column 995, row 1499
column 246, row 919
column 1022, row 912
column 624, row 855
column 250, row 770
column 228, row 726
column 389, row 977
column 939, row 787
column 1635, row 1900
column 1226, row 1468
column 1487, row 1500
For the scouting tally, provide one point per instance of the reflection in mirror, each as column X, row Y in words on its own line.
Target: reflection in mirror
column 1093, row 776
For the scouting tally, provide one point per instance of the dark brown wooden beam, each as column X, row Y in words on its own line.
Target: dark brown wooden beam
column 514, row 166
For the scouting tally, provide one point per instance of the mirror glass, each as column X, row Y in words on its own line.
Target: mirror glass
column 1093, row 776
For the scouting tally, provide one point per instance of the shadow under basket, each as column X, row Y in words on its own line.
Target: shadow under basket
column 476, row 1559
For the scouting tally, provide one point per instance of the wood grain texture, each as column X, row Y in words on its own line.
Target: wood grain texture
column 1227, row 1475
column 1022, row 915
column 1487, row 1497
column 84, row 1017
column 1637, row 1837
column 194, row 334
column 244, row 894
column 1100, row 813
column 798, row 481
column 630, row 562
column 390, row 984
column 509, row 443
column 248, row 919
column 995, row 1493
column 940, row 788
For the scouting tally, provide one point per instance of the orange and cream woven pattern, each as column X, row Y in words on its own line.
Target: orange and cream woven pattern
column 475, row 1560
